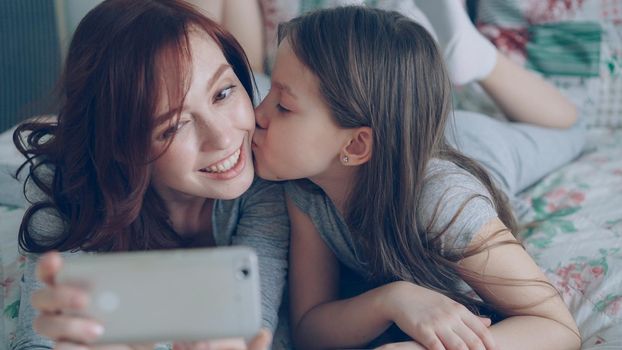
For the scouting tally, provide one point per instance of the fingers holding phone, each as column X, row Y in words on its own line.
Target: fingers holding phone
column 261, row 341
column 57, row 303
column 48, row 267
column 149, row 297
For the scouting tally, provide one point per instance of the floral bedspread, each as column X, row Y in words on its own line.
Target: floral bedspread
column 578, row 241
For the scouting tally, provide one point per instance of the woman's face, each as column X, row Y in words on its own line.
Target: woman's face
column 210, row 154
column 296, row 135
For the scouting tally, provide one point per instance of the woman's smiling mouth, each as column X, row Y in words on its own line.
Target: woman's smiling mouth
column 227, row 168
column 224, row 165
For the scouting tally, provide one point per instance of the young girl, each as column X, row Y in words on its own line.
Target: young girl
column 151, row 150
column 359, row 106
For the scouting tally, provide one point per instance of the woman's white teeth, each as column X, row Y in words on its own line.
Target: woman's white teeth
column 225, row 165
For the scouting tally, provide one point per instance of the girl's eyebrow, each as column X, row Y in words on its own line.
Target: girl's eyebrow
column 285, row 88
column 210, row 83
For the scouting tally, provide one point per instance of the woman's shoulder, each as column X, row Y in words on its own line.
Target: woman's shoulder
column 46, row 223
column 260, row 186
column 303, row 193
column 260, row 191
column 260, row 209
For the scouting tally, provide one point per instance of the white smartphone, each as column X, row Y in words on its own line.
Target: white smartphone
column 176, row 295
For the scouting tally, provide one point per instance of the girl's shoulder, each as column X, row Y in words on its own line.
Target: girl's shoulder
column 441, row 175
column 454, row 205
column 445, row 184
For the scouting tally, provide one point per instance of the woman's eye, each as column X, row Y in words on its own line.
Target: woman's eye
column 224, row 93
column 281, row 109
column 170, row 132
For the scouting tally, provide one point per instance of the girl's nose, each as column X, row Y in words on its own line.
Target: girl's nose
column 261, row 120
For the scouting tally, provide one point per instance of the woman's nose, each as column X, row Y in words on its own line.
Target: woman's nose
column 217, row 135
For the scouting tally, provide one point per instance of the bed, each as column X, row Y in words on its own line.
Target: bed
column 578, row 242
column 576, row 45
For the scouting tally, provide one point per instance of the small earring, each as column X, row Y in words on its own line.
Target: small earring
column 345, row 159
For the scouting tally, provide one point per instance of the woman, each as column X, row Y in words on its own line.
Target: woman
column 151, row 150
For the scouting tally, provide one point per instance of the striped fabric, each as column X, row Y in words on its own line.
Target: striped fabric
column 506, row 12
column 565, row 48
column 574, row 44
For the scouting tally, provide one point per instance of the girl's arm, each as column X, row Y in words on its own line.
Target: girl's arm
column 244, row 20
column 319, row 320
column 313, row 286
column 538, row 318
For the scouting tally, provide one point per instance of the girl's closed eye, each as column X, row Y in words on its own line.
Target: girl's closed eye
column 224, row 93
column 282, row 109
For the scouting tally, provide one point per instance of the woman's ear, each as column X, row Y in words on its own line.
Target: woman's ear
column 359, row 147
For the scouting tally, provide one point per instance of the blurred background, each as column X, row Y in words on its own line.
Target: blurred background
column 34, row 36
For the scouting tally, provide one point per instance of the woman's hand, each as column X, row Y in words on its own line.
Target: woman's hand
column 57, row 304
column 435, row 321
column 260, row 342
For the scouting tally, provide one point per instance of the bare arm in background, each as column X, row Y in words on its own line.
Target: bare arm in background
column 244, row 20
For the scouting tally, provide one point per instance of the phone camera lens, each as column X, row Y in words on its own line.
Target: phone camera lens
column 244, row 272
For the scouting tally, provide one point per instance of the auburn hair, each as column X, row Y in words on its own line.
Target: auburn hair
column 92, row 162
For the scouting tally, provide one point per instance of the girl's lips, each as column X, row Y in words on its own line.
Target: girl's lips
column 256, row 135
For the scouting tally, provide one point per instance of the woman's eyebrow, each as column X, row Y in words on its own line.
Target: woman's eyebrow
column 221, row 69
column 166, row 115
column 210, row 83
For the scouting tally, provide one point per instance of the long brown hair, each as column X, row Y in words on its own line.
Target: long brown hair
column 99, row 149
column 382, row 70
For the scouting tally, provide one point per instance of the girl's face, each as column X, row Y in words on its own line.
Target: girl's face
column 210, row 154
column 296, row 136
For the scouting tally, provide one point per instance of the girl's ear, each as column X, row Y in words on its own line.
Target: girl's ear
column 359, row 147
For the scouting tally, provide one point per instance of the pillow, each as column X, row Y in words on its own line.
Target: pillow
column 10, row 159
column 577, row 45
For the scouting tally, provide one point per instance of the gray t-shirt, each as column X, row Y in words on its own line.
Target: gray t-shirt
column 446, row 185
column 257, row 219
